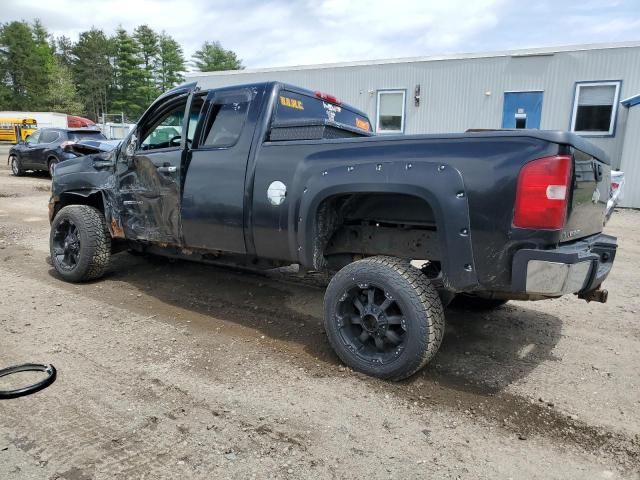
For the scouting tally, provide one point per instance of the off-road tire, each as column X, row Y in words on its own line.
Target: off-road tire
column 421, row 309
column 95, row 243
column 473, row 302
column 17, row 170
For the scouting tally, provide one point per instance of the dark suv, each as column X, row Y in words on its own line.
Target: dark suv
column 44, row 148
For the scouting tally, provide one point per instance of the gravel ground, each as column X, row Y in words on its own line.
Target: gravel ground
column 174, row 369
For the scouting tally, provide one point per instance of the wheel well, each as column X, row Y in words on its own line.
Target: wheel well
column 353, row 226
column 93, row 200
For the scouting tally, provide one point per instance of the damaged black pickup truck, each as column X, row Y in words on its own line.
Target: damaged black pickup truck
column 270, row 174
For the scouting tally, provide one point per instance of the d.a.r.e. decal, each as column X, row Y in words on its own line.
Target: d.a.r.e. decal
column 291, row 103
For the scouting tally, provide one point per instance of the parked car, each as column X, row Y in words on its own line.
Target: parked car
column 44, row 148
column 270, row 174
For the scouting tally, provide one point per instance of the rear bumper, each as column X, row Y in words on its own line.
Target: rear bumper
column 577, row 267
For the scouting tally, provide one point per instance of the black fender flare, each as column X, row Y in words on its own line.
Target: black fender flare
column 439, row 184
column 86, row 193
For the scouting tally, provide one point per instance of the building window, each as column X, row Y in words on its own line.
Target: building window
column 595, row 106
column 390, row 111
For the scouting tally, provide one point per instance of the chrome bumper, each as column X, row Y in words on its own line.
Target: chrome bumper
column 555, row 278
column 571, row 268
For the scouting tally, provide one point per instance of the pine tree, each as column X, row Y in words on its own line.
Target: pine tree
column 63, row 96
column 63, row 47
column 26, row 60
column 129, row 76
column 213, row 57
column 149, row 50
column 170, row 64
column 17, row 45
column 92, row 71
column 41, row 66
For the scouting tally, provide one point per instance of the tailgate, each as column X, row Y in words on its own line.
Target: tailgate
column 588, row 197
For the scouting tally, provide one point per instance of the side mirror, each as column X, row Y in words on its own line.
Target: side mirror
column 132, row 146
column 26, row 139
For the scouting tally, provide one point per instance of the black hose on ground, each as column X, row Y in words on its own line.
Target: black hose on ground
column 28, row 367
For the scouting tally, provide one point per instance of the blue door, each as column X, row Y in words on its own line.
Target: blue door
column 522, row 110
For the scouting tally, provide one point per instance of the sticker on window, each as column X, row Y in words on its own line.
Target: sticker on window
column 362, row 124
column 291, row 103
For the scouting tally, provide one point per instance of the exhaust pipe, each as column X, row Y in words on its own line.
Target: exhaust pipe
column 597, row 295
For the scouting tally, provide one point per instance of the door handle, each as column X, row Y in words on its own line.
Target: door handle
column 168, row 169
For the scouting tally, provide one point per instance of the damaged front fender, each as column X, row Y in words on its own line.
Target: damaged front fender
column 87, row 180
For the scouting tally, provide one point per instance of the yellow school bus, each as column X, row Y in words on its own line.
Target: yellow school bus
column 14, row 129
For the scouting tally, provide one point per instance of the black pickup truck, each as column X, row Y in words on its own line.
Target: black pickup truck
column 269, row 174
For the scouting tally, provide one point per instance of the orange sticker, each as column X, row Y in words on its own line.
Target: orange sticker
column 291, row 103
column 362, row 124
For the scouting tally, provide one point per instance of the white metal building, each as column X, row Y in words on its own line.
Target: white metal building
column 630, row 161
column 577, row 88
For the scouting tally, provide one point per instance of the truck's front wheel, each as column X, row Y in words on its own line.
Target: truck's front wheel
column 80, row 243
column 383, row 317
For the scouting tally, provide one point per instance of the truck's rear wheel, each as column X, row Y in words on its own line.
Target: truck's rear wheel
column 383, row 317
column 80, row 243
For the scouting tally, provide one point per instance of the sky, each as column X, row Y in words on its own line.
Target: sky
column 268, row 33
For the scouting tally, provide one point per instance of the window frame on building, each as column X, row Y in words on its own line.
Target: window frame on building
column 614, row 108
column 381, row 92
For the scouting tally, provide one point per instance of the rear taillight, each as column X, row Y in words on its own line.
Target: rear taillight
column 543, row 190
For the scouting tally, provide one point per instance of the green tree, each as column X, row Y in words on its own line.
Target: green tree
column 63, row 48
column 149, row 50
column 129, row 76
column 92, row 71
column 213, row 57
column 63, row 96
column 25, row 65
column 43, row 66
column 170, row 64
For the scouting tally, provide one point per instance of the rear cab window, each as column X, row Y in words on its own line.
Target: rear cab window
column 79, row 136
column 301, row 108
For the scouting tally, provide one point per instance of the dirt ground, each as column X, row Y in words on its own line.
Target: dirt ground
column 180, row 370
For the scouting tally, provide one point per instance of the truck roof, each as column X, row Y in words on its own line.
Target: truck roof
column 267, row 85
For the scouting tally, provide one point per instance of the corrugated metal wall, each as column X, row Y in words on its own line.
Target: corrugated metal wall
column 631, row 159
column 454, row 91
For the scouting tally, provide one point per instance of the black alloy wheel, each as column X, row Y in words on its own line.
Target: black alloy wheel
column 66, row 245
column 372, row 323
column 383, row 317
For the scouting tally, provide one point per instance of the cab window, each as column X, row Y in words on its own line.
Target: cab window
column 165, row 129
column 194, row 116
column 226, row 119
column 166, row 132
